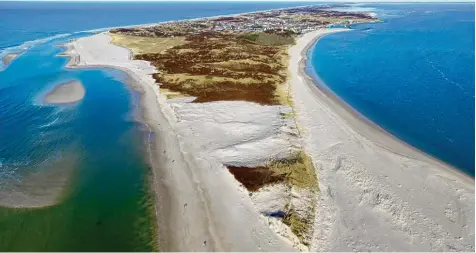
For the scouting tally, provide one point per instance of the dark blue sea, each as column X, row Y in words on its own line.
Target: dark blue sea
column 413, row 75
column 96, row 145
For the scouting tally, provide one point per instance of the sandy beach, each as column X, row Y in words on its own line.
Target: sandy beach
column 377, row 193
column 68, row 92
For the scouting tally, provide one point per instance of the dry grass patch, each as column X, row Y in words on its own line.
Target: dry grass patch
column 171, row 94
column 297, row 171
column 146, row 45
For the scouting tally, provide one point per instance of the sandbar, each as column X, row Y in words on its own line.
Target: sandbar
column 69, row 92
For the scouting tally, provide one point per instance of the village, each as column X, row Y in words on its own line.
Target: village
column 296, row 20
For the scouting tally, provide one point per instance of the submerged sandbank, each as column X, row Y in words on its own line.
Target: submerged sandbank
column 40, row 187
column 379, row 193
column 69, row 92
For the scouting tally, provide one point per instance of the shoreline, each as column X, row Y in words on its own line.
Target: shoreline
column 377, row 192
column 183, row 180
column 364, row 125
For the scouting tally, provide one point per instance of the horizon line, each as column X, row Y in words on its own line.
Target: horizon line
column 282, row 1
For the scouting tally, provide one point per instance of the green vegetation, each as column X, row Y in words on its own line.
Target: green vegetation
column 299, row 226
column 251, row 36
column 299, row 171
column 92, row 215
column 268, row 39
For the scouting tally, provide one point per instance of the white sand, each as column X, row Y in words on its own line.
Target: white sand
column 200, row 206
column 377, row 194
column 68, row 92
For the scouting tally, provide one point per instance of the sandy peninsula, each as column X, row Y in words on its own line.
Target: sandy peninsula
column 69, row 92
column 376, row 193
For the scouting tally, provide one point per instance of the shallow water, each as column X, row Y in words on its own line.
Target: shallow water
column 413, row 75
column 94, row 145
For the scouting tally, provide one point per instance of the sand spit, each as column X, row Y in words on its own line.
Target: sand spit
column 200, row 206
column 69, row 92
column 9, row 58
column 377, row 193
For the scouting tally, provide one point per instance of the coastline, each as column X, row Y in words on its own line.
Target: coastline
column 360, row 167
column 182, row 181
column 365, row 168
column 362, row 124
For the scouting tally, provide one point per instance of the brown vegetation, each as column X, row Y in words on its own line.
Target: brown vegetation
column 296, row 171
column 219, row 66
column 255, row 178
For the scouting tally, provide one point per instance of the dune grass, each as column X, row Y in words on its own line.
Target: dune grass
column 299, row 226
column 296, row 171
column 299, row 171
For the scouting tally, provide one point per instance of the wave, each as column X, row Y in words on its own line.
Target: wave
column 443, row 76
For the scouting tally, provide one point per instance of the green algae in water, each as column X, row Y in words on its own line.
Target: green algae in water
column 117, row 216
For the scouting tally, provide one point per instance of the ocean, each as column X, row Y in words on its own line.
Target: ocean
column 93, row 151
column 413, row 75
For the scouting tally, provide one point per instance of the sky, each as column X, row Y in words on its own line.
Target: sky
column 379, row 1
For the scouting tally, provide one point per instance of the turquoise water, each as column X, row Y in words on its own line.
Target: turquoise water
column 96, row 145
column 413, row 75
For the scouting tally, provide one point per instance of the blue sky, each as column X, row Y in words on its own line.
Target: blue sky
column 255, row 0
